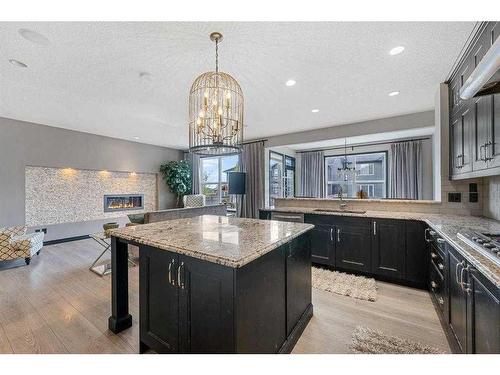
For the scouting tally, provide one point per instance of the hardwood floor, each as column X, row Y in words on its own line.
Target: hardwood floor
column 56, row 305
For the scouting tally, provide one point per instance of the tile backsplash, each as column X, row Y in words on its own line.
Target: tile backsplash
column 491, row 201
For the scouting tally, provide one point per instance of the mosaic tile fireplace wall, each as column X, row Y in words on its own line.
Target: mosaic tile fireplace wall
column 65, row 195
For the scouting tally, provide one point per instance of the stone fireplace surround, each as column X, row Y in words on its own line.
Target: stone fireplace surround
column 66, row 195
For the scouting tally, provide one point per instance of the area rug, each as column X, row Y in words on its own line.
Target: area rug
column 372, row 341
column 344, row 284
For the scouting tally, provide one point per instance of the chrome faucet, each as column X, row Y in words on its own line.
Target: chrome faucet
column 342, row 203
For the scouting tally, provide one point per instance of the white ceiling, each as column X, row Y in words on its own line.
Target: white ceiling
column 88, row 77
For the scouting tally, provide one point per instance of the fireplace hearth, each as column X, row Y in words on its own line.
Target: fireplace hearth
column 123, row 202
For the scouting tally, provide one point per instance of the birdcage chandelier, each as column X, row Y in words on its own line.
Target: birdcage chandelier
column 215, row 111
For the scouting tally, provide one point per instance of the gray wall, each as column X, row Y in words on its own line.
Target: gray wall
column 23, row 143
column 404, row 122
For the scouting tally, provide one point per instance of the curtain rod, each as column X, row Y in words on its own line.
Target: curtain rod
column 256, row 141
column 364, row 145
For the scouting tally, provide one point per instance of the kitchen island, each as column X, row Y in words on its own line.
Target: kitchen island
column 213, row 284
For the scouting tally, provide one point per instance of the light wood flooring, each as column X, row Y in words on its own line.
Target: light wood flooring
column 56, row 305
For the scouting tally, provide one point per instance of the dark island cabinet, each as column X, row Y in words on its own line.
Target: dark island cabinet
column 298, row 275
column 188, row 305
column 388, row 248
column 159, row 319
column 206, row 322
column 353, row 245
column 177, row 310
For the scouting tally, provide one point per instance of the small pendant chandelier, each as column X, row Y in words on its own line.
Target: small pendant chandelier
column 346, row 172
column 215, row 111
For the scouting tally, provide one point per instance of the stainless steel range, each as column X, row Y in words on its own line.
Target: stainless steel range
column 486, row 243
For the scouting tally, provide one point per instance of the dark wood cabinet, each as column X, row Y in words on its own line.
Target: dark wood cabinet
column 188, row 305
column 388, row 248
column 457, row 299
column 298, row 275
column 353, row 246
column 483, row 323
column 205, row 306
column 417, row 253
column 159, row 301
column 474, row 123
column 461, row 131
column 323, row 245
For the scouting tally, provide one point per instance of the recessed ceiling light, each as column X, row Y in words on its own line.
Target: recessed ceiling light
column 290, row 82
column 394, row 93
column 18, row 63
column 136, row 138
column 315, row 110
column 396, row 50
column 34, row 37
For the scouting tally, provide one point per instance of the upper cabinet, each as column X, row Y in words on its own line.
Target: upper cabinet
column 474, row 123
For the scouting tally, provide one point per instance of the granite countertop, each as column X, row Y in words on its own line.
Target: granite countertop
column 229, row 241
column 447, row 227
column 369, row 200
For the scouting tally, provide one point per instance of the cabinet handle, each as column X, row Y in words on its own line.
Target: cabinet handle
column 440, row 266
column 464, row 286
column 441, row 300
column 440, row 240
column 456, row 273
column 432, row 233
column 434, row 284
column 486, row 148
column 181, row 284
column 338, row 235
column 170, row 271
column 481, row 153
column 425, row 235
column 331, row 234
column 374, row 228
column 433, row 255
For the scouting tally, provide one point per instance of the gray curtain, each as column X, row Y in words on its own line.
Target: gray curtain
column 312, row 174
column 406, row 170
column 194, row 161
column 252, row 163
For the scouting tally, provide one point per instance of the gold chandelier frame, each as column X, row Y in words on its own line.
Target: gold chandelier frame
column 215, row 111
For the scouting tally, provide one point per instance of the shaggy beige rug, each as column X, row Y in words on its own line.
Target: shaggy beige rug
column 344, row 284
column 372, row 341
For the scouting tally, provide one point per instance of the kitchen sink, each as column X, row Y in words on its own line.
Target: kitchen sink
column 339, row 210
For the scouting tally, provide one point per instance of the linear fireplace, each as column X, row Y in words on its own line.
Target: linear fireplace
column 123, row 202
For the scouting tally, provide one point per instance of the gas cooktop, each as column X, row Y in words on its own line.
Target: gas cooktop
column 486, row 243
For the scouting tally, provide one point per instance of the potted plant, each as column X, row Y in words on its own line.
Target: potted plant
column 177, row 176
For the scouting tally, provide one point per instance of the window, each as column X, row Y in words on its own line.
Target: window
column 213, row 179
column 371, row 176
column 281, row 176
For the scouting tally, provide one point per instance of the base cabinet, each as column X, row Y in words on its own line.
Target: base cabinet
column 483, row 322
column 388, row 248
column 457, row 299
column 474, row 307
column 323, row 245
column 392, row 249
column 159, row 301
column 353, row 245
column 298, row 284
column 188, row 305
